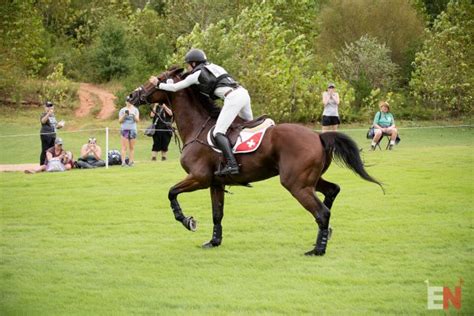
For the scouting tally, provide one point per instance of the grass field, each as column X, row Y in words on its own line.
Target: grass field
column 105, row 241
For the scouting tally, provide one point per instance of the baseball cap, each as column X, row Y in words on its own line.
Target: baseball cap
column 331, row 85
column 48, row 104
column 58, row 141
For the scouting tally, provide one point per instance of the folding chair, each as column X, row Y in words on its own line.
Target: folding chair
column 380, row 140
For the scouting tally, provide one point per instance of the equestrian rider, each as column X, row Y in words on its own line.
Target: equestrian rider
column 214, row 82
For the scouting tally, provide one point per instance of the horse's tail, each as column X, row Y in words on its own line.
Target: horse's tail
column 344, row 149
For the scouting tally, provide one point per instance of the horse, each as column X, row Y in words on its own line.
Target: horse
column 296, row 153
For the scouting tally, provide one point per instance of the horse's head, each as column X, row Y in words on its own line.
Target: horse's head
column 147, row 93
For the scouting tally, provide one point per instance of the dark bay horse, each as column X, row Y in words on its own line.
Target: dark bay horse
column 299, row 155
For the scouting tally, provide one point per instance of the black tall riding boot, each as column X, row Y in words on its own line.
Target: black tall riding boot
column 231, row 167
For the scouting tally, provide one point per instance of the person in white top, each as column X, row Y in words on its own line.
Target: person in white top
column 214, row 82
column 330, row 119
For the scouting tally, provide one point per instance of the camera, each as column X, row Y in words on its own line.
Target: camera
column 127, row 112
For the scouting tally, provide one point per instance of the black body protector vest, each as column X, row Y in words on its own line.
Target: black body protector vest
column 212, row 77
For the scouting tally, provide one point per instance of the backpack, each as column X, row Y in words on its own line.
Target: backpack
column 114, row 157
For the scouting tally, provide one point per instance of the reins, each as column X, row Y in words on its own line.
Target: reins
column 196, row 138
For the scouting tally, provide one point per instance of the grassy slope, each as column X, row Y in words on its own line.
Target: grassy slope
column 105, row 241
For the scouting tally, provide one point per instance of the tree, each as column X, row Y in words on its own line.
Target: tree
column 24, row 43
column 110, row 54
column 442, row 80
column 393, row 22
column 273, row 62
column 366, row 65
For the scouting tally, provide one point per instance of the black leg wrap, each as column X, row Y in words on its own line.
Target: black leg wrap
column 216, row 235
column 321, row 242
column 216, row 238
column 178, row 214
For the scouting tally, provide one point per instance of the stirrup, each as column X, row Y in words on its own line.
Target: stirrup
column 227, row 170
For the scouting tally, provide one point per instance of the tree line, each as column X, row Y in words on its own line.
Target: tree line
column 416, row 54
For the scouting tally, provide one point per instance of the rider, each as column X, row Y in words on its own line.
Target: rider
column 214, row 82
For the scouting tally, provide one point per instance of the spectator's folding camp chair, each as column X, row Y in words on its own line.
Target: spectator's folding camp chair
column 387, row 136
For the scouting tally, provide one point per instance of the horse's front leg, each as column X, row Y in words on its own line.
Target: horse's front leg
column 217, row 198
column 187, row 185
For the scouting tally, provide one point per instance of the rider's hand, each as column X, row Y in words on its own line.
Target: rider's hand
column 153, row 80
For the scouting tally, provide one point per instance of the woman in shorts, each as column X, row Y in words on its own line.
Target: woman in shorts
column 330, row 120
column 128, row 118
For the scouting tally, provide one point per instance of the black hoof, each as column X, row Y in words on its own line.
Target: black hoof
column 315, row 252
column 190, row 223
column 211, row 244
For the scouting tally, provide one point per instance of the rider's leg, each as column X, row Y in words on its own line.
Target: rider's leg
column 236, row 103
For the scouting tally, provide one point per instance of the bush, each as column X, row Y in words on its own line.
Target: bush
column 443, row 80
column 110, row 53
column 366, row 64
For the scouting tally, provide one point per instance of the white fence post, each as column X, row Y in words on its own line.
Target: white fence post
column 106, row 148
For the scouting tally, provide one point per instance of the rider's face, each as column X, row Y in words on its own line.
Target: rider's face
column 189, row 67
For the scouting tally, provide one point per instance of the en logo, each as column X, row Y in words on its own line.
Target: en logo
column 439, row 297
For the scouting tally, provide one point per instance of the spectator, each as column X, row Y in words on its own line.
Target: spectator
column 162, row 123
column 49, row 125
column 128, row 118
column 384, row 124
column 57, row 159
column 90, row 155
column 330, row 119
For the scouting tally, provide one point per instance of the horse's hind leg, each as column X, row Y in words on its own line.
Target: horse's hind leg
column 330, row 191
column 307, row 197
column 217, row 197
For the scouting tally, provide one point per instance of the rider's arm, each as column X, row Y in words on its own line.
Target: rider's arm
column 173, row 87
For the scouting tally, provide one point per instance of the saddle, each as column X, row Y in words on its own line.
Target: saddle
column 244, row 137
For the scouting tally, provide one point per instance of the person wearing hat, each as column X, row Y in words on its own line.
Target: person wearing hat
column 56, row 156
column 214, row 82
column 49, row 125
column 330, row 120
column 384, row 124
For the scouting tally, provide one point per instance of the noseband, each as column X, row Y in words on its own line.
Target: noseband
column 144, row 94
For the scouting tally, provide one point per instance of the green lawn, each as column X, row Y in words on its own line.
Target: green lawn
column 106, row 242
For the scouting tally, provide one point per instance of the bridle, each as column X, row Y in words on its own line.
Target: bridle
column 144, row 94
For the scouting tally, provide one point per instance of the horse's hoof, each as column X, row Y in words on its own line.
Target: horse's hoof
column 190, row 223
column 211, row 244
column 315, row 252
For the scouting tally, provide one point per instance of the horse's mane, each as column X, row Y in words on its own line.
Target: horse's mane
column 207, row 103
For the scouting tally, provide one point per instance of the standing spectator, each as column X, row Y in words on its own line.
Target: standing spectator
column 330, row 119
column 128, row 118
column 90, row 155
column 49, row 124
column 384, row 124
column 162, row 123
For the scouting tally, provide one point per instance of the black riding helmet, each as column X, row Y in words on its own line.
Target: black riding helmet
column 195, row 55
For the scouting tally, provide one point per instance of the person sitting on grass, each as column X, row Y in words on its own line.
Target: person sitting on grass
column 57, row 159
column 384, row 124
column 90, row 155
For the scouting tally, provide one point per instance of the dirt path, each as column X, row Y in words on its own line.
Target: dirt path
column 88, row 94
column 20, row 167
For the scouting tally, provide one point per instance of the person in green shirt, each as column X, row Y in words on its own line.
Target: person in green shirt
column 384, row 124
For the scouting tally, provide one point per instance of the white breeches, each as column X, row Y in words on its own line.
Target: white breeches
column 236, row 103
